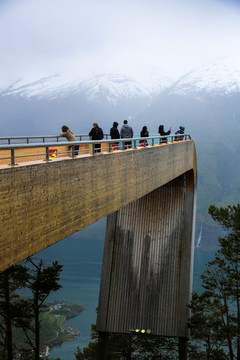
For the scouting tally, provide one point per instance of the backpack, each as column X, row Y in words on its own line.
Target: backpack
column 99, row 134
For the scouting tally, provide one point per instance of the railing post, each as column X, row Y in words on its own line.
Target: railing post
column 12, row 157
column 135, row 144
column 109, row 147
column 93, row 148
column 73, row 151
column 47, row 153
column 152, row 142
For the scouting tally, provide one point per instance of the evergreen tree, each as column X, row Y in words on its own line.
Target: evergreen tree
column 21, row 312
column 43, row 281
column 11, row 307
column 215, row 320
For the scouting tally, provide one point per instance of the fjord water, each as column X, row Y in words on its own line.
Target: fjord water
column 81, row 257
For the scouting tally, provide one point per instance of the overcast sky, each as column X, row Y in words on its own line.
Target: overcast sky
column 76, row 37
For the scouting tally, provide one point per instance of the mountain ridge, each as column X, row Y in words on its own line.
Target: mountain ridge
column 217, row 77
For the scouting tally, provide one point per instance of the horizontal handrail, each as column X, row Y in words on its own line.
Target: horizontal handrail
column 56, row 143
column 44, row 138
column 143, row 142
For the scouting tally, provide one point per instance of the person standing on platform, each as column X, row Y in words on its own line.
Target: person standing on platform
column 125, row 133
column 163, row 133
column 181, row 132
column 67, row 133
column 96, row 134
column 144, row 133
column 114, row 133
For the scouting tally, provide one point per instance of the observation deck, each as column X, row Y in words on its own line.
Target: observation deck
column 48, row 192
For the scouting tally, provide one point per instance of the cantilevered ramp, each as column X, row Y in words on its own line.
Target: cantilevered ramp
column 43, row 203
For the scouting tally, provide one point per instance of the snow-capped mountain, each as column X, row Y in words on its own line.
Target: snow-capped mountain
column 218, row 77
column 204, row 98
column 113, row 97
column 111, row 87
column 153, row 78
column 100, row 97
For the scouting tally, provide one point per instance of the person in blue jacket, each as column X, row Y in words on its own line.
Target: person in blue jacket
column 180, row 132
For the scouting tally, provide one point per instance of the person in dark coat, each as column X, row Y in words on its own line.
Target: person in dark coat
column 114, row 133
column 162, row 133
column 144, row 133
column 96, row 134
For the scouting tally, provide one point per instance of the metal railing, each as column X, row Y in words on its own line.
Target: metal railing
column 42, row 138
column 89, row 147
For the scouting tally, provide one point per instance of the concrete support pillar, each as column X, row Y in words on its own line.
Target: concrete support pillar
column 147, row 265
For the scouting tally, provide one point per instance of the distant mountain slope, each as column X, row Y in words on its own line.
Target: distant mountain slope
column 220, row 77
column 44, row 105
column 112, row 87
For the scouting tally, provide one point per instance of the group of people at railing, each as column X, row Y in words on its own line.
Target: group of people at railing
column 126, row 132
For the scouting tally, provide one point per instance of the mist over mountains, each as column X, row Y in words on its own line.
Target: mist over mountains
column 44, row 105
column 206, row 101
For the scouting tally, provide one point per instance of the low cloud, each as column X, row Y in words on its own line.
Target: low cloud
column 78, row 37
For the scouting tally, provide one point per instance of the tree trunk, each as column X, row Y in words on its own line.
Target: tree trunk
column 238, row 330
column 37, row 328
column 182, row 348
column 229, row 338
column 129, row 348
column 8, row 319
column 102, row 346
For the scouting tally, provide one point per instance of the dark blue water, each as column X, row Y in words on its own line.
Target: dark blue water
column 81, row 257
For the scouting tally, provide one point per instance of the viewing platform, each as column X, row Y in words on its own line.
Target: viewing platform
column 49, row 192
column 21, row 150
